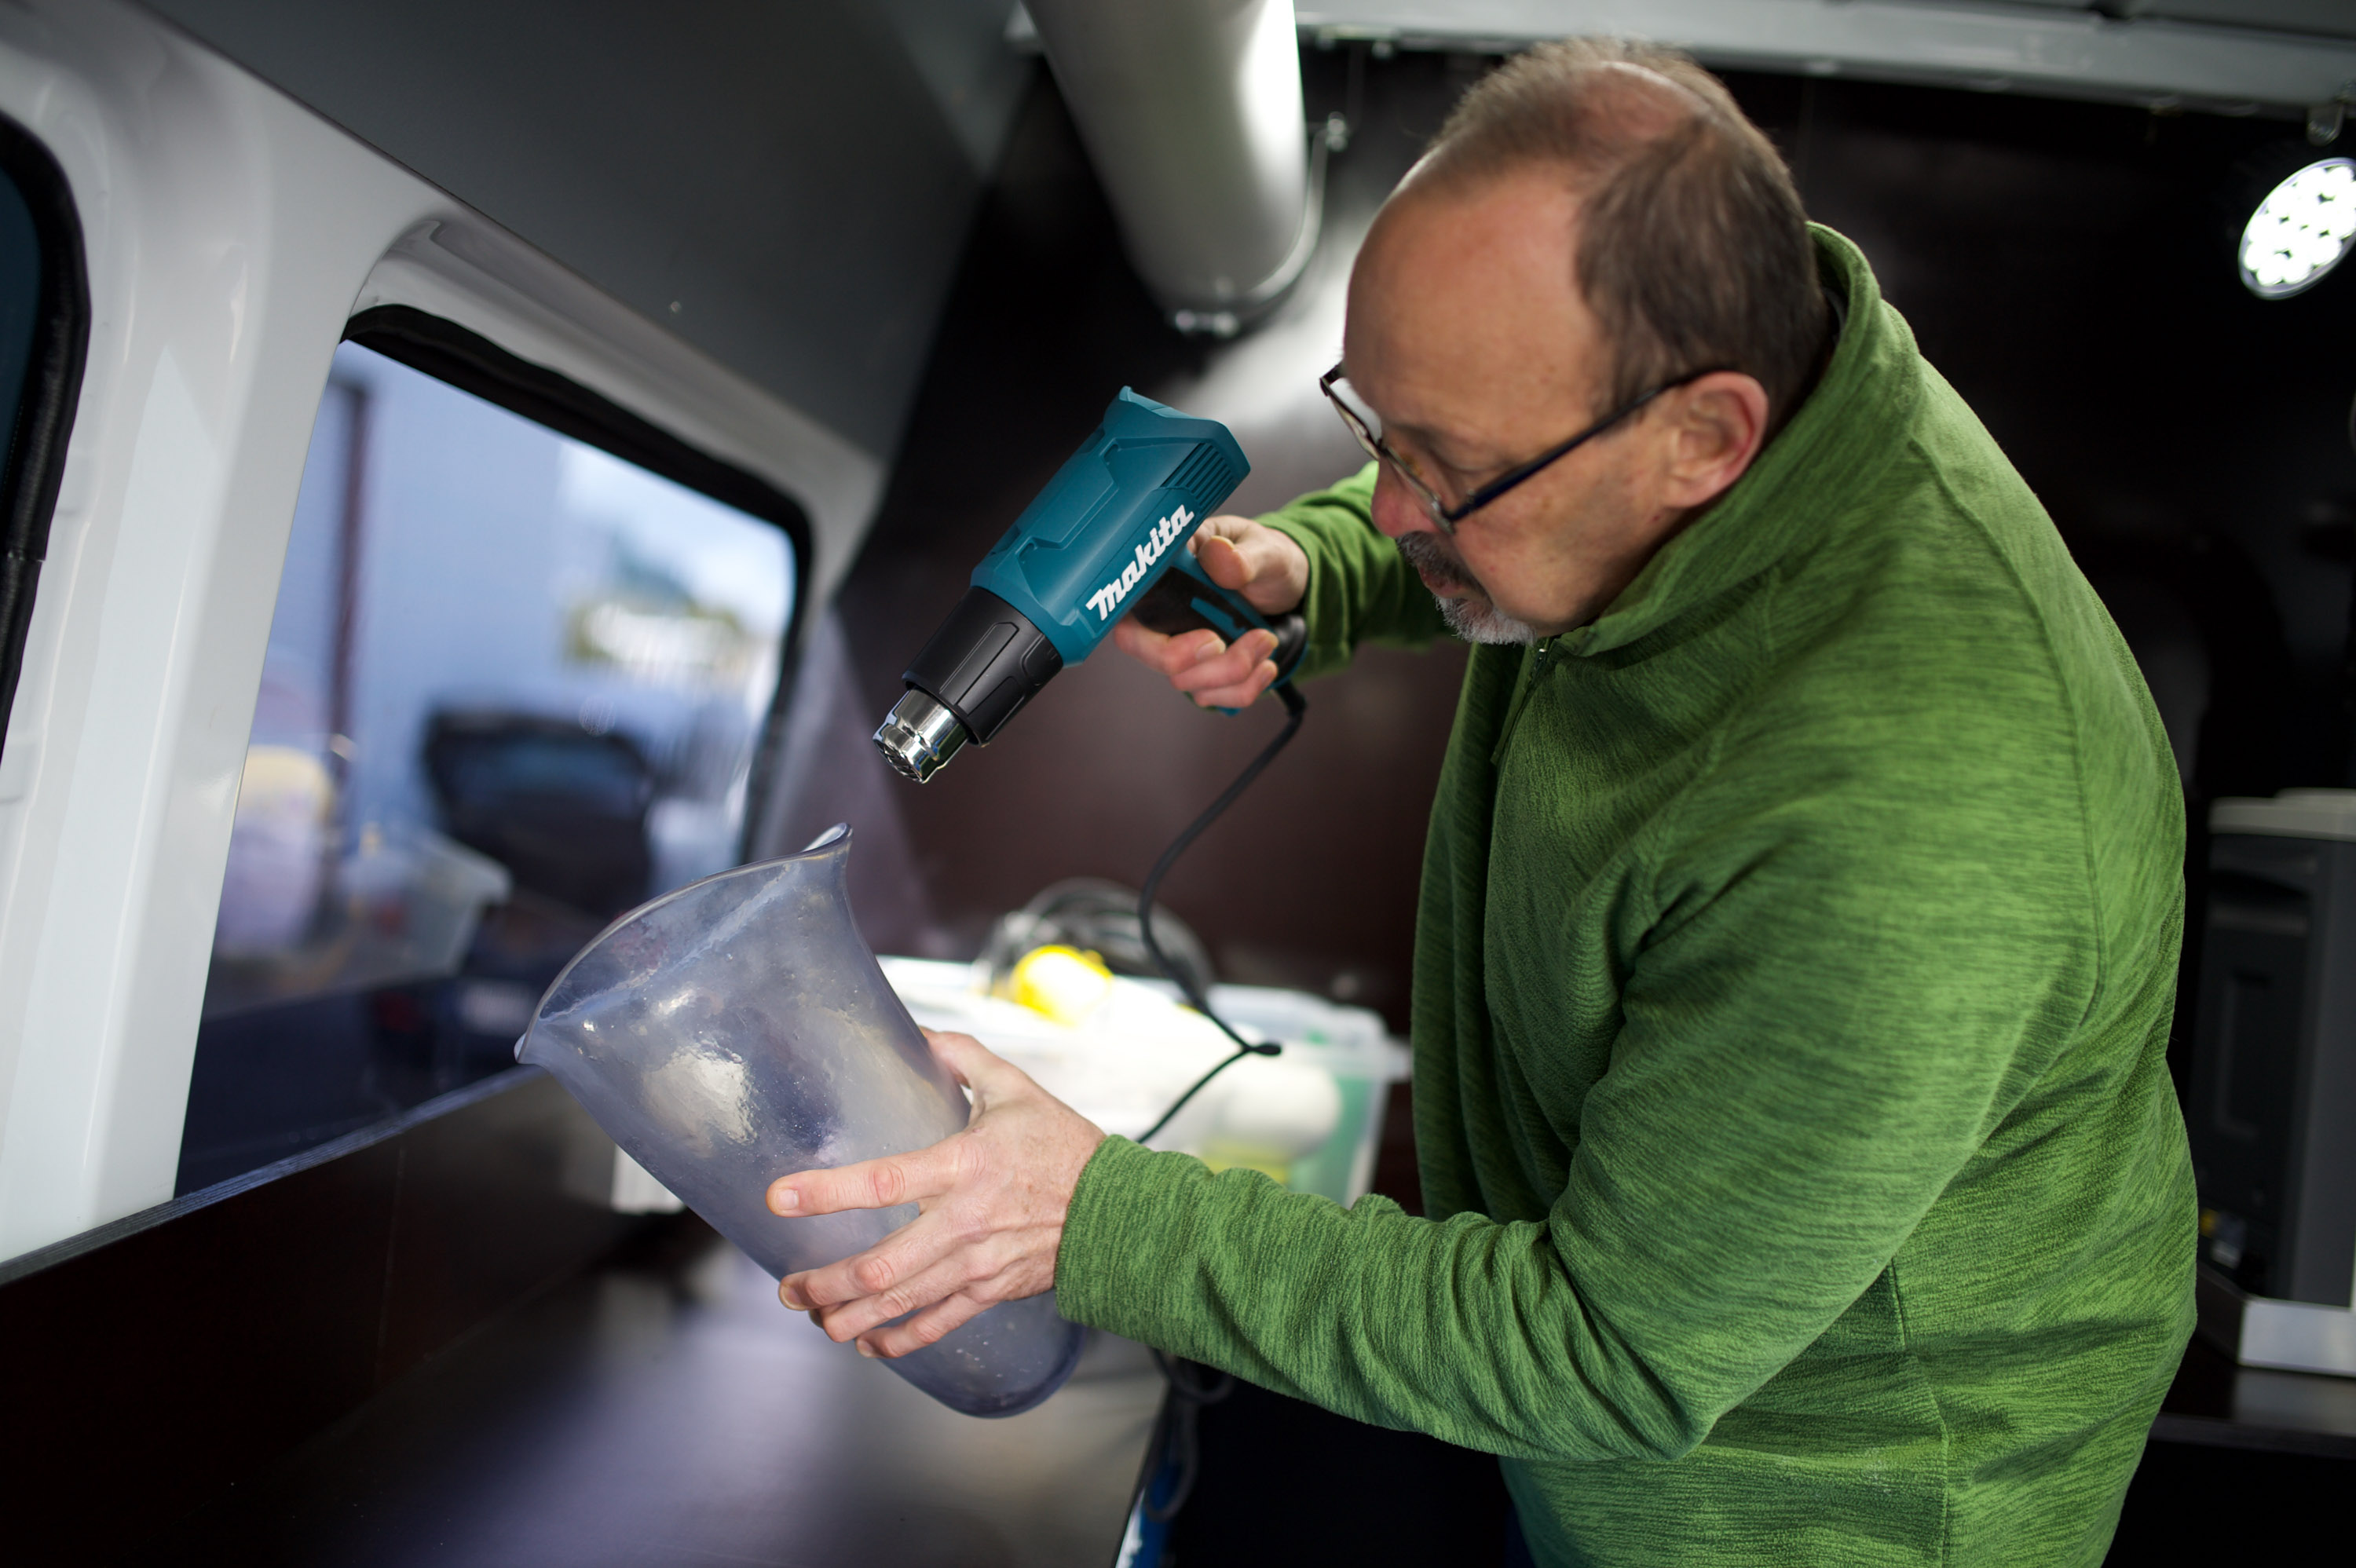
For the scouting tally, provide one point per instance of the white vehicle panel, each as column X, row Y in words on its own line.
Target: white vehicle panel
column 229, row 234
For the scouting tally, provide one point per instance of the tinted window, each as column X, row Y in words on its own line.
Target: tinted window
column 44, row 327
column 20, row 295
column 514, row 686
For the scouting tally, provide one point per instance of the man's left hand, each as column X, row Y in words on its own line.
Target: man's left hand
column 990, row 1205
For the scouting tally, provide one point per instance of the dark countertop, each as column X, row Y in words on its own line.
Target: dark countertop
column 2216, row 1402
column 662, row 1409
column 2245, row 1464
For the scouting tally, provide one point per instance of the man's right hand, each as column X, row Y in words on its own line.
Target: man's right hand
column 1270, row 572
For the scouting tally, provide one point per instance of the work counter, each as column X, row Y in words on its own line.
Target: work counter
column 434, row 1342
column 662, row 1408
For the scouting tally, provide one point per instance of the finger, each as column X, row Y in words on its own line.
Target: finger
column 905, row 1255
column 1244, row 693
column 789, row 1295
column 1184, row 650
column 929, row 1326
column 1235, row 667
column 975, row 1065
column 1164, row 652
column 870, row 1184
column 1247, row 650
column 1140, row 642
column 967, row 1272
column 1213, row 658
column 1223, row 560
column 1265, row 564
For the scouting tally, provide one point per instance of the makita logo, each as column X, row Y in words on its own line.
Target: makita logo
column 1166, row 532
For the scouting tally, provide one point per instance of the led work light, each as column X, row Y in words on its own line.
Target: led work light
column 2301, row 231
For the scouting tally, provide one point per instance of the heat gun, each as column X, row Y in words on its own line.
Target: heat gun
column 1108, row 537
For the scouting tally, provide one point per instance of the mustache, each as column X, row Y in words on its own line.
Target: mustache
column 1436, row 562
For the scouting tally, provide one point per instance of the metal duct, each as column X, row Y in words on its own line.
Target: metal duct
column 1190, row 109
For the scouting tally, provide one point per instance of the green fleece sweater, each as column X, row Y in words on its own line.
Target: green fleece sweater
column 1794, row 972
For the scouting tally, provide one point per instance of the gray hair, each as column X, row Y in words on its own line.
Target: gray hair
column 1693, row 247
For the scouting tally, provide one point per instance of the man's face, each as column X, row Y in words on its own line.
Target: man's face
column 1467, row 334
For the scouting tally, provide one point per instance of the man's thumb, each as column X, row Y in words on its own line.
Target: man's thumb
column 974, row 1064
column 1223, row 561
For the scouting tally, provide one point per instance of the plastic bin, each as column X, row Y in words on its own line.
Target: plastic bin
column 1124, row 1064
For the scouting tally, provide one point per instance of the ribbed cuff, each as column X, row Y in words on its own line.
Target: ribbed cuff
column 1126, row 1227
column 1319, row 657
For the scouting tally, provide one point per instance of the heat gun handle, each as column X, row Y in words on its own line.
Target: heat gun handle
column 1184, row 600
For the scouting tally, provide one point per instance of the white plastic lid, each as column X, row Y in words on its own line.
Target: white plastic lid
column 2293, row 814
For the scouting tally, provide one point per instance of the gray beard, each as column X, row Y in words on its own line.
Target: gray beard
column 1475, row 619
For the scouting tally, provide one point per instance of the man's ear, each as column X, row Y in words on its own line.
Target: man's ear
column 1717, row 425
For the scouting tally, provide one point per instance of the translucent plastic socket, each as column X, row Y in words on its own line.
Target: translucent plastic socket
column 738, row 1030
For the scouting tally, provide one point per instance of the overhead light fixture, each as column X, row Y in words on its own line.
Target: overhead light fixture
column 2301, row 231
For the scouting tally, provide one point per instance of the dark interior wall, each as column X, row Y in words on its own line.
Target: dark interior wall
column 2067, row 266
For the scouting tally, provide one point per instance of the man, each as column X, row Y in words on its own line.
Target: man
column 1800, row 913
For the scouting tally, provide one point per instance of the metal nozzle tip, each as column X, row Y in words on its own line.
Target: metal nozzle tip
column 919, row 735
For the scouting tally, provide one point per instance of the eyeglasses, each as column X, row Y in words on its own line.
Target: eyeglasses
column 1367, row 426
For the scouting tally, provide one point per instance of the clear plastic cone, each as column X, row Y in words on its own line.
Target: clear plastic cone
column 738, row 1030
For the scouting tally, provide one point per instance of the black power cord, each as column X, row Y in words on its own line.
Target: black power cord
column 1178, row 1446
column 1295, row 706
column 1178, row 1453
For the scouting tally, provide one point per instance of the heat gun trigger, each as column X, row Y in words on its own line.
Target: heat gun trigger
column 1183, row 599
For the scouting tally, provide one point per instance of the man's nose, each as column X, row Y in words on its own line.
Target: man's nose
column 1396, row 511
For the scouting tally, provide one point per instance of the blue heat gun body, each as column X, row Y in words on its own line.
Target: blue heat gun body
column 1109, row 536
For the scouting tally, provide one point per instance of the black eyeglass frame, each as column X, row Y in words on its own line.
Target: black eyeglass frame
column 1448, row 517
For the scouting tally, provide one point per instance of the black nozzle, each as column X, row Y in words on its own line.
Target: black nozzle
column 982, row 666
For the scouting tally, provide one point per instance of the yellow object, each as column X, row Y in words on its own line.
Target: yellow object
column 1227, row 1157
column 1060, row 983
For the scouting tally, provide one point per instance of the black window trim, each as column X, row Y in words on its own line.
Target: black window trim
column 35, row 452
column 473, row 363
